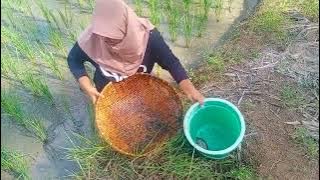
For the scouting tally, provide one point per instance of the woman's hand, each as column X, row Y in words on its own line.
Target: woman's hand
column 91, row 91
column 93, row 94
column 192, row 93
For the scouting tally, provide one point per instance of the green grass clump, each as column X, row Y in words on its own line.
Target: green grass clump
column 66, row 17
column 37, row 86
column 173, row 17
column 218, row 7
column 154, row 9
column 216, row 62
column 270, row 21
column 197, row 78
column 243, row 173
column 12, row 106
column 56, row 40
column 15, row 163
column 201, row 26
column 291, row 96
column 311, row 146
column 16, row 40
column 206, row 7
column 187, row 29
column 138, row 7
column 10, row 103
column 52, row 63
column 36, row 127
column 311, row 9
column 177, row 160
column 45, row 11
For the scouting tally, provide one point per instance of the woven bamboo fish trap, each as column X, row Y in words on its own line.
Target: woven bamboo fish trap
column 137, row 115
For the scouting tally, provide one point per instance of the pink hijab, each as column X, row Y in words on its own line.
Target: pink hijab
column 114, row 19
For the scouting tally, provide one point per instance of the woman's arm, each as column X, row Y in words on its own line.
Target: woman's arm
column 76, row 59
column 168, row 61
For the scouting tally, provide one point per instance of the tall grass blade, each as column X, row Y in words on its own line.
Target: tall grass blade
column 138, row 7
column 154, row 12
column 187, row 29
column 11, row 105
column 37, row 86
column 173, row 16
column 52, row 63
column 15, row 163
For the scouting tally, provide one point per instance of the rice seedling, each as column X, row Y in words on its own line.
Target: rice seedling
column 29, row 10
column 5, row 66
column 11, row 66
column 37, row 86
column 187, row 29
column 20, row 43
column 81, row 3
column 54, row 23
column 14, row 162
column 11, row 105
column 178, row 159
column 201, row 25
column 154, row 12
column 187, row 5
column 206, row 7
column 85, row 153
column 57, row 42
column 91, row 4
column 218, row 7
column 173, row 15
column 45, row 11
column 66, row 17
column 52, row 63
column 35, row 126
column 138, row 7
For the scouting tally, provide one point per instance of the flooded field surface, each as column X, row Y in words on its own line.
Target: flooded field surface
column 68, row 111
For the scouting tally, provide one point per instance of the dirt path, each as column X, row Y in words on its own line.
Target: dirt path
column 269, row 147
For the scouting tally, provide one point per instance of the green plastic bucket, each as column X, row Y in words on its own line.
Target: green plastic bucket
column 215, row 129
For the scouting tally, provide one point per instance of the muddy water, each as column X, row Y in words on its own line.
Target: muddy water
column 47, row 161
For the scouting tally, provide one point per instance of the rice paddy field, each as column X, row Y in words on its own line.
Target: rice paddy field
column 47, row 123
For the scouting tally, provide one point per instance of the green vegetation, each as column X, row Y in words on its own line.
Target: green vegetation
column 243, row 173
column 310, row 8
column 15, row 163
column 216, row 62
column 218, row 7
column 310, row 145
column 206, row 6
column 187, row 29
column 177, row 159
column 173, row 17
column 155, row 16
column 291, row 96
column 37, row 86
column 16, row 41
column 12, row 106
column 10, row 103
column 138, row 7
column 50, row 61
column 271, row 21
